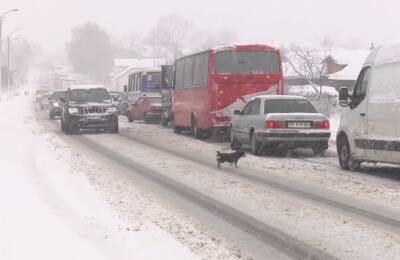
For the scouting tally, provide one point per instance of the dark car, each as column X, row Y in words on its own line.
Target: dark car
column 44, row 101
column 147, row 108
column 88, row 107
column 120, row 100
column 55, row 103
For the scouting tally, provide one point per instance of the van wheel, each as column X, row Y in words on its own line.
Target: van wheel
column 345, row 160
column 254, row 144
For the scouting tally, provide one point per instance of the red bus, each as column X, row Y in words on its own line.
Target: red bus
column 210, row 85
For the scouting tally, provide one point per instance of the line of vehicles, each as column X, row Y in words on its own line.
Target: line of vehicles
column 237, row 91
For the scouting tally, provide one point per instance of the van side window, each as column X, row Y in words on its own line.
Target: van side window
column 361, row 87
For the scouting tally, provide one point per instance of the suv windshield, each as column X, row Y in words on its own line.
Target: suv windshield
column 90, row 95
column 246, row 62
column 58, row 95
column 288, row 106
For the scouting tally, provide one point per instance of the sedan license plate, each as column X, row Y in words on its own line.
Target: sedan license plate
column 299, row 125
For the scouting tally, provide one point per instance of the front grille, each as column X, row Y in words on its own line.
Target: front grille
column 93, row 110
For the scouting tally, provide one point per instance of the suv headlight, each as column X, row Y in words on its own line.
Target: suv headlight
column 73, row 110
column 111, row 110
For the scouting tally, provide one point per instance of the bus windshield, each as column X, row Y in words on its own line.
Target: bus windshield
column 246, row 62
column 152, row 81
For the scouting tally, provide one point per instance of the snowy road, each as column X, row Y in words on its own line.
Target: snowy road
column 307, row 202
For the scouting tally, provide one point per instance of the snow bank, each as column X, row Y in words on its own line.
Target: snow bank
column 308, row 90
column 49, row 211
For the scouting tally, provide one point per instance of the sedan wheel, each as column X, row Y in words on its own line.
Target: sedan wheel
column 235, row 144
column 254, row 144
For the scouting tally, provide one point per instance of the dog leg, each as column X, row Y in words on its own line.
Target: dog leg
column 219, row 165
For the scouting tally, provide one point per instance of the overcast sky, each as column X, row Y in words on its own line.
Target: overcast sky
column 49, row 22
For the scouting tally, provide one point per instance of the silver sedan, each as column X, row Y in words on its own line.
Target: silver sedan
column 280, row 123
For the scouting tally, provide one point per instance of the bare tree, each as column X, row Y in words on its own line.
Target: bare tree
column 309, row 63
column 224, row 36
column 168, row 36
column 90, row 51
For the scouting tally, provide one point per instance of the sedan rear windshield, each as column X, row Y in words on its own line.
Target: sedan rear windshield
column 246, row 62
column 90, row 95
column 289, row 106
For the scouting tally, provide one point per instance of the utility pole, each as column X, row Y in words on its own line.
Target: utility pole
column 1, row 49
column 9, row 40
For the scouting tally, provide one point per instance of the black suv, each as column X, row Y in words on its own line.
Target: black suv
column 88, row 107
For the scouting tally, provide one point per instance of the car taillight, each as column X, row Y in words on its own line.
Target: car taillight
column 322, row 124
column 275, row 124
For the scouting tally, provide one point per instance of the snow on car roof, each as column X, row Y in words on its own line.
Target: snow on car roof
column 87, row 86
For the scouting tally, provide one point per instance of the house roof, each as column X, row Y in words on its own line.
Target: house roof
column 354, row 60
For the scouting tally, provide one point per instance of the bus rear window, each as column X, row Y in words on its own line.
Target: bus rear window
column 246, row 62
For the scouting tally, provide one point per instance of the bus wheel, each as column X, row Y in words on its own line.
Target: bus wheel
column 164, row 121
column 195, row 129
column 177, row 129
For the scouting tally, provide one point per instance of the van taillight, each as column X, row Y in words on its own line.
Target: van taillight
column 275, row 124
column 322, row 124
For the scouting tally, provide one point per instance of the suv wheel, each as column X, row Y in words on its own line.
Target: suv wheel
column 345, row 160
column 115, row 129
column 62, row 125
column 254, row 144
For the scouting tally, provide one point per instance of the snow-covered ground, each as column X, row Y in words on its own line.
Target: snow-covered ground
column 49, row 209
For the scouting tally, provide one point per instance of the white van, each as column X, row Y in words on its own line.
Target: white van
column 369, row 129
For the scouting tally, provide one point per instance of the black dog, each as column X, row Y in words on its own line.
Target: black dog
column 231, row 158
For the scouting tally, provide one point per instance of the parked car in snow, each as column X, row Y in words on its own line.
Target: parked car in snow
column 369, row 129
column 88, row 107
column 39, row 94
column 147, row 108
column 44, row 101
column 280, row 123
column 120, row 100
column 55, row 103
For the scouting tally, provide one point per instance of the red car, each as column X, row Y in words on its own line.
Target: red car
column 147, row 108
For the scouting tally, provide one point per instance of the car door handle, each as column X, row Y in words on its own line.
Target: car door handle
column 362, row 114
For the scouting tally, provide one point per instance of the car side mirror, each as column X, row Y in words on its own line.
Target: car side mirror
column 344, row 97
column 237, row 112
